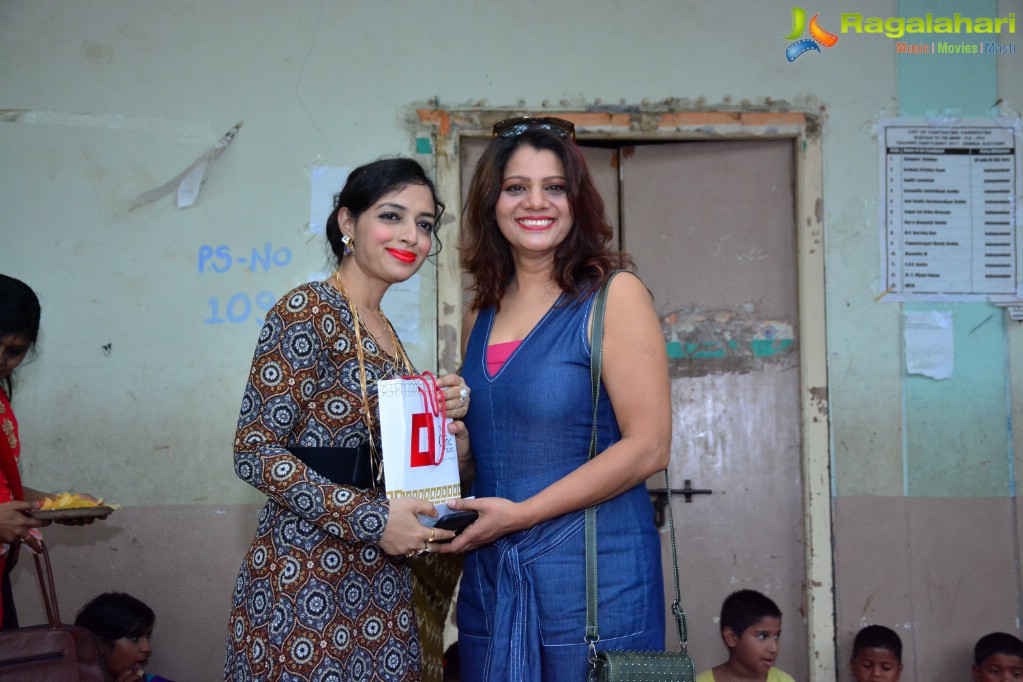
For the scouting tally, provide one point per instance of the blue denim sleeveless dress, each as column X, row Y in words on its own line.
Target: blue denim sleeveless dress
column 522, row 601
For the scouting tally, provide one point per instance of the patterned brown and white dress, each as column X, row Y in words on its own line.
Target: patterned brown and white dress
column 316, row 599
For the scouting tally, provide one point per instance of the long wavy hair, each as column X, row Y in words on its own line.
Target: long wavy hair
column 581, row 262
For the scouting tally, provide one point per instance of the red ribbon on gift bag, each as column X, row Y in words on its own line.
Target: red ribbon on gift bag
column 432, row 409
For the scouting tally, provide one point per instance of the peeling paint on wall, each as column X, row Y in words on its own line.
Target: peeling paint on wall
column 819, row 399
column 701, row 342
column 447, row 345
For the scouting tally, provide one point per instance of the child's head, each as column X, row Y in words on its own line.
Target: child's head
column 877, row 655
column 750, row 628
column 998, row 657
column 123, row 625
column 19, row 326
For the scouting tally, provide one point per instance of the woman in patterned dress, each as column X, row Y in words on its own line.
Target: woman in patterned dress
column 325, row 590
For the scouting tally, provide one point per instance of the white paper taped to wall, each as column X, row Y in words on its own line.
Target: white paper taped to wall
column 326, row 181
column 930, row 349
column 190, row 181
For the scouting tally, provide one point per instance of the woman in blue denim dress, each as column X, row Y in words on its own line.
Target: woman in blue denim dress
column 535, row 241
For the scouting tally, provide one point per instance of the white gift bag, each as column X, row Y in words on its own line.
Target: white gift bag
column 419, row 454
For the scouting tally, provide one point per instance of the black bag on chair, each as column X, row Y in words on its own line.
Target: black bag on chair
column 53, row 652
column 627, row 666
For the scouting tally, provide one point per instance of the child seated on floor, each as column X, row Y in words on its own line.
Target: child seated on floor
column 750, row 627
column 996, row 657
column 123, row 626
column 876, row 655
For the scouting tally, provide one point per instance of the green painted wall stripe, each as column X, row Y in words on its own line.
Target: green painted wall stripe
column 957, row 442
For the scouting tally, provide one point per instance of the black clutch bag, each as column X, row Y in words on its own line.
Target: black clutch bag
column 344, row 466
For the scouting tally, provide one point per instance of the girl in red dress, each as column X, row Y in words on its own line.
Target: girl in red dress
column 19, row 327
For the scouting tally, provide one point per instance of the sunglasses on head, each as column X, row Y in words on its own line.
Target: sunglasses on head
column 513, row 127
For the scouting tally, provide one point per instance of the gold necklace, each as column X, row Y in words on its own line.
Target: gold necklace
column 371, row 333
column 399, row 355
column 406, row 366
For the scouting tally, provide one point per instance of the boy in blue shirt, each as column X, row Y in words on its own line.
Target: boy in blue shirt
column 123, row 625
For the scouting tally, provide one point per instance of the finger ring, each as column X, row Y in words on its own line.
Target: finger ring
column 410, row 555
column 463, row 393
column 423, row 552
column 433, row 534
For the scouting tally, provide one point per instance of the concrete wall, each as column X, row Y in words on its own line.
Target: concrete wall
column 136, row 387
column 927, row 521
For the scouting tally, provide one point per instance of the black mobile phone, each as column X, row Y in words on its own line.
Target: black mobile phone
column 456, row 521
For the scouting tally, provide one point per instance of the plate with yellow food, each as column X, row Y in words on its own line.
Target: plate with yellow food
column 72, row 506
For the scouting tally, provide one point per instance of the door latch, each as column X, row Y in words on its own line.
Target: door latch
column 659, row 496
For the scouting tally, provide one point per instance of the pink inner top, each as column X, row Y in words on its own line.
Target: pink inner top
column 498, row 353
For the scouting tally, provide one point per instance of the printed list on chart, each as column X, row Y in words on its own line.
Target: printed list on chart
column 950, row 225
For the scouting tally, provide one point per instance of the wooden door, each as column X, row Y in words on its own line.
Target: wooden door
column 712, row 229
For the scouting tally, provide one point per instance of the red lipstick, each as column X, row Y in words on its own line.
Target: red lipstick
column 402, row 255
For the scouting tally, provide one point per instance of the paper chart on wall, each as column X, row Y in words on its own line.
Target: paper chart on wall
column 950, row 216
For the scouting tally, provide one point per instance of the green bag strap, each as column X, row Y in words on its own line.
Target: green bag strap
column 592, row 634
column 596, row 358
